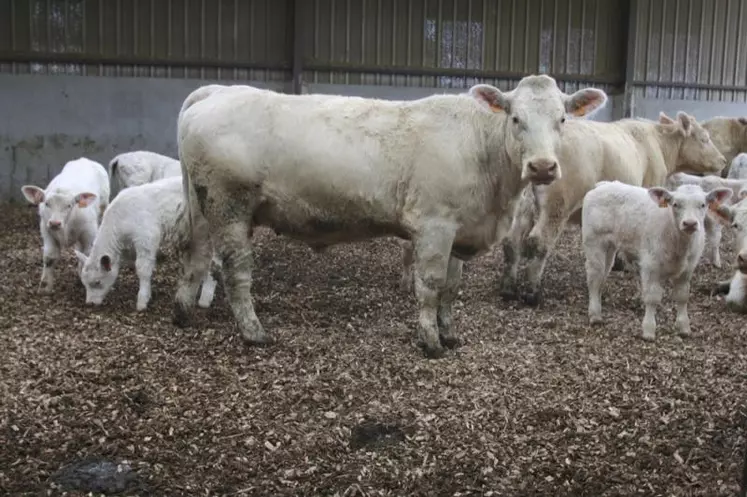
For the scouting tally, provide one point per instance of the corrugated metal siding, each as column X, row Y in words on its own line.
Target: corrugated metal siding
column 455, row 43
column 691, row 49
column 222, row 39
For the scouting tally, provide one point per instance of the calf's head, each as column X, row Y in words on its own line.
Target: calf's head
column 98, row 276
column 697, row 152
column 56, row 208
column 736, row 216
column 689, row 204
column 535, row 113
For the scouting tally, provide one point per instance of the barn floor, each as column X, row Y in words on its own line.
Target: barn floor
column 535, row 403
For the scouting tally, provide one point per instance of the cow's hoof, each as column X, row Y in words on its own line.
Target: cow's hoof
column 450, row 341
column 180, row 317
column 259, row 341
column 434, row 352
column 596, row 320
column 532, row 299
column 618, row 265
column 508, row 293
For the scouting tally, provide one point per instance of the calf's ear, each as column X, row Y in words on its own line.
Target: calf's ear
column 718, row 196
column 584, row 102
column 661, row 196
column 84, row 199
column 33, row 194
column 491, row 98
column 687, row 122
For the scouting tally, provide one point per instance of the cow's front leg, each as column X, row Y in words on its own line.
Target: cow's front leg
column 432, row 253
column 447, row 336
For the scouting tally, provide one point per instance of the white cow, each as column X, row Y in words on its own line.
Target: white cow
column 69, row 211
column 736, row 288
column 712, row 227
column 144, row 219
column 663, row 229
column 738, row 169
column 440, row 171
column 729, row 134
column 634, row 151
column 140, row 167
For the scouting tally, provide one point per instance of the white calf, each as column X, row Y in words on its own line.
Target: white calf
column 712, row 227
column 141, row 218
column 736, row 288
column 140, row 167
column 664, row 229
column 69, row 211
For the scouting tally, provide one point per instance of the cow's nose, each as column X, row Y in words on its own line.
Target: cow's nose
column 55, row 225
column 690, row 225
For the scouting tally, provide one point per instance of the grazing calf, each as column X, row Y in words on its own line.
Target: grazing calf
column 738, row 169
column 736, row 288
column 140, row 167
column 634, row 151
column 729, row 134
column 140, row 219
column 442, row 172
column 69, row 211
column 712, row 227
column 663, row 228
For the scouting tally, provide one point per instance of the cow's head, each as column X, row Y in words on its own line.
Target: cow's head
column 535, row 113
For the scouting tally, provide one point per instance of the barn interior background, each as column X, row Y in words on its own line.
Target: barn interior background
column 98, row 77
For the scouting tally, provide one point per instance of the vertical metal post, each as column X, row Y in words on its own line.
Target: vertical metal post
column 628, row 101
column 297, row 47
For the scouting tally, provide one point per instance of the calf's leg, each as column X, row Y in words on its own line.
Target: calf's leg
column 145, row 263
column 652, row 294
column 209, row 283
column 406, row 281
column 599, row 261
column 680, row 296
column 713, row 241
column 50, row 256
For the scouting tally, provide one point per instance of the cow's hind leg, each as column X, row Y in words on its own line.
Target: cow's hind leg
column 537, row 248
column 447, row 336
column 521, row 224
column 432, row 253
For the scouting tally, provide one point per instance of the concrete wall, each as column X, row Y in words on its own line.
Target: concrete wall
column 48, row 120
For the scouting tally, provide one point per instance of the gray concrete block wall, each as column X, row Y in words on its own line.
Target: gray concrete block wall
column 48, row 120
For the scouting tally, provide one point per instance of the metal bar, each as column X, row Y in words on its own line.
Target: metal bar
column 152, row 50
column 186, row 35
column 331, row 32
column 202, row 36
column 134, row 28
column 235, row 36
column 688, row 35
column 13, row 24
column 347, row 38
column 726, row 42
column 65, row 24
column 454, row 33
column 101, row 34
column 686, row 85
column 394, row 32
column 662, row 33
column 469, row 34
column 568, row 36
column 169, row 47
column 596, row 38
column 424, row 45
column 439, row 28
column 319, row 65
column 648, row 39
column 119, row 28
column 630, row 58
column 713, row 48
column 297, row 58
column 737, row 53
column 554, row 35
column 267, row 30
column 539, row 44
column 528, row 29
column 379, row 24
column 483, row 33
column 581, row 37
column 363, row 31
column 511, row 47
column 497, row 35
column 219, row 41
column 674, row 38
column 78, row 58
column 49, row 27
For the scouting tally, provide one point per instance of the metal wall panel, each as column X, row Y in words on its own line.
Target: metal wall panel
column 208, row 39
column 691, row 49
column 455, row 43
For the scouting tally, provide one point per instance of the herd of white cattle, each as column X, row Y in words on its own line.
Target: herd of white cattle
column 451, row 175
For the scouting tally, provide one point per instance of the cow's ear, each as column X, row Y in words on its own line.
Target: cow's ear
column 491, row 98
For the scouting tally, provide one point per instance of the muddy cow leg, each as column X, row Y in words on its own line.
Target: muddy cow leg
column 447, row 335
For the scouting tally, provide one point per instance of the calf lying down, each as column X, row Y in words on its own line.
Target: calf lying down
column 662, row 228
column 712, row 225
column 736, row 288
column 140, row 219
